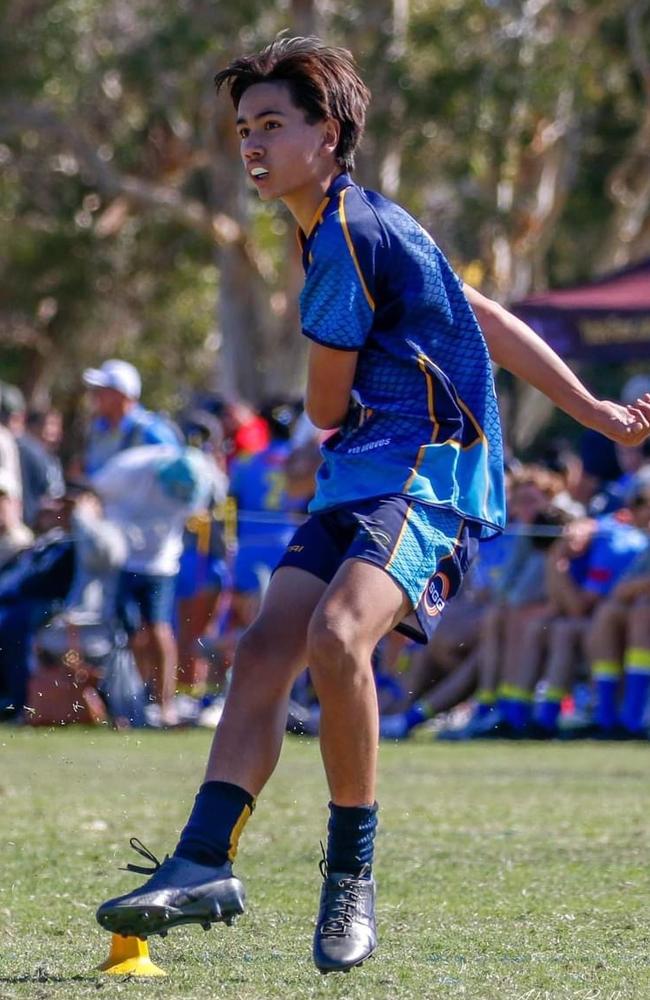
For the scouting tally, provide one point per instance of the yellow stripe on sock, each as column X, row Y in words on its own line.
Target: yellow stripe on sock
column 554, row 694
column 604, row 669
column 637, row 660
column 485, row 697
column 512, row 692
column 244, row 817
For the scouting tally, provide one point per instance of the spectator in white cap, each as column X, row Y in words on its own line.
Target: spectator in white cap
column 119, row 421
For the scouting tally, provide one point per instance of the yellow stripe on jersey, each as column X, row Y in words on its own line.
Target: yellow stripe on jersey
column 422, row 365
column 353, row 254
column 317, row 216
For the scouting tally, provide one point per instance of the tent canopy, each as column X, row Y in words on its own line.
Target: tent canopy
column 607, row 319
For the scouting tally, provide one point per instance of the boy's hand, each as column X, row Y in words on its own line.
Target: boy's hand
column 624, row 424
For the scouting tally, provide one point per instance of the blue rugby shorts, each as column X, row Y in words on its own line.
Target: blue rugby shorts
column 426, row 550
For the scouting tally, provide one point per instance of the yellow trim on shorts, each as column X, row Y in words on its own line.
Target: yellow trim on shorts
column 398, row 542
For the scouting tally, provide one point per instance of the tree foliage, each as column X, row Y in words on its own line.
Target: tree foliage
column 518, row 132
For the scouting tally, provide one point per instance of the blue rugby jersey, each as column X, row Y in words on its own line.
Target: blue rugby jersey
column 424, row 422
column 258, row 484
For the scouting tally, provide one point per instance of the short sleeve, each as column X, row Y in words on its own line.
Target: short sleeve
column 337, row 304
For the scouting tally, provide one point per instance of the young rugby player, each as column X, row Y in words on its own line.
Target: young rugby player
column 400, row 361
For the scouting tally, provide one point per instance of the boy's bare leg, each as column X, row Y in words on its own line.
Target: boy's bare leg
column 361, row 604
column 270, row 655
column 196, row 884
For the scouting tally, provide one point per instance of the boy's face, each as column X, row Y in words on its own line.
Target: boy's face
column 284, row 156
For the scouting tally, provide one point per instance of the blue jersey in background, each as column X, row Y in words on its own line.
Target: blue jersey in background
column 265, row 524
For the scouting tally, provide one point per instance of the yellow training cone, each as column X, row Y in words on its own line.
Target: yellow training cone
column 130, row 957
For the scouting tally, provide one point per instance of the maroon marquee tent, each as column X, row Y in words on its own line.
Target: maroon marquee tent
column 607, row 319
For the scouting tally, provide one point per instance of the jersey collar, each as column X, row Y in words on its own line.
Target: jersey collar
column 305, row 240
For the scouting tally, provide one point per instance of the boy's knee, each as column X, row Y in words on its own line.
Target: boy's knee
column 330, row 644
column 255, row 649
column 262, row 661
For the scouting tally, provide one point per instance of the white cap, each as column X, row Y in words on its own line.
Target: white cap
column 115, row 374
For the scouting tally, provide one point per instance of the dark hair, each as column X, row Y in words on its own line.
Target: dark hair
column 550, row 518
column 323, row 82
column 281, row 417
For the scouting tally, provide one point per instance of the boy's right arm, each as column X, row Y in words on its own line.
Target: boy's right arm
column 514, row 346
column 330, row 376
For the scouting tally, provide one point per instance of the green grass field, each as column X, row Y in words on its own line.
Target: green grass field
column 516, row 872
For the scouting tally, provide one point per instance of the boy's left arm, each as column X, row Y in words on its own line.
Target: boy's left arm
column 514, row 346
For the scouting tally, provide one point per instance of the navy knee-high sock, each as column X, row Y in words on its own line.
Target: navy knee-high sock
column 351, row 838
column 219, row 814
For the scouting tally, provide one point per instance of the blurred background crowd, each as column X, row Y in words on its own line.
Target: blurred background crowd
column 133, row 545
column 133, row 555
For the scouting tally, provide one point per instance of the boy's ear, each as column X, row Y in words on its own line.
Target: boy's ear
column 331, row 135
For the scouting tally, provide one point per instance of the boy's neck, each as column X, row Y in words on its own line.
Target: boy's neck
column 305, row 203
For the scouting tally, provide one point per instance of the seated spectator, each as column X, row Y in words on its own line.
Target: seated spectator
column 583, row 568
column 149, row 492
column 560, row 458
column 35, row 586
column 618, row 642
column 597, row 487
column 440, row 675
column 118, row 420
column 11, row 402
column 40, row 465
column 14, row 535
column 633, row 462
column 518, row 596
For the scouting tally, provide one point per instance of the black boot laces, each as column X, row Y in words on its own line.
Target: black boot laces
column 140, row 848
column 346, row 893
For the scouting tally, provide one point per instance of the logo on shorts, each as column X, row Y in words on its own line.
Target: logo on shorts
column 435, row 595
column 381, row 538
